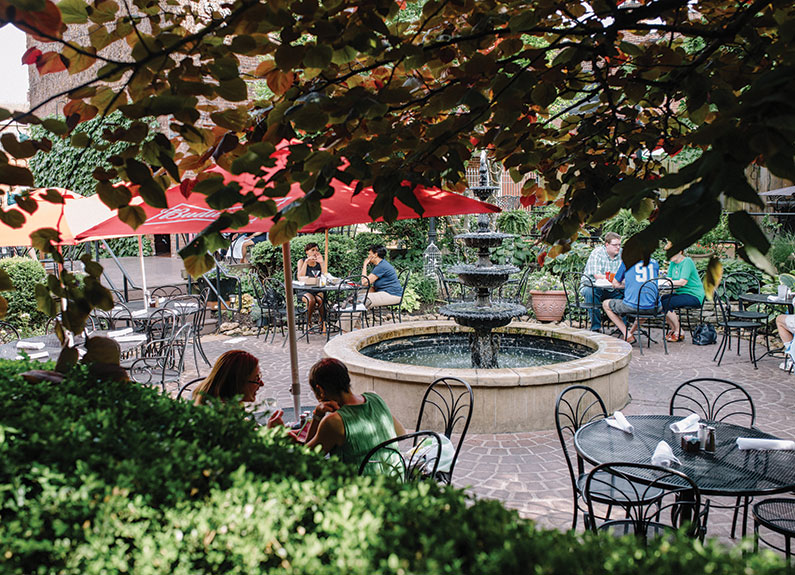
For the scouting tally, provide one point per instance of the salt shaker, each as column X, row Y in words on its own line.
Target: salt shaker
column 710, row 444
column 702, row 435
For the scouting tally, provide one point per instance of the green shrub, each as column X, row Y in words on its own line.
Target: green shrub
column 624, row 224
column 782, row 252
column 25, row 273
column 572, row 261
column 364, row 240
column 117, row 478
column 516, row 222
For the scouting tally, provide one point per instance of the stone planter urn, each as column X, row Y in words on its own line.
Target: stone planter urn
column 548, row 305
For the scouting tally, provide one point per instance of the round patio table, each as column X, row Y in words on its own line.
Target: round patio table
column 128, row 345
column 728, row 471
column 762, row 298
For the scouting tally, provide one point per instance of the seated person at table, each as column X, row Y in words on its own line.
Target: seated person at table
column 234, row 375
column 385, row 288
column 312, row 266
column 249, row 242
column 632, row 280
column 688, row 292
column 344, row 423
column 603, row 260
column 785, row 323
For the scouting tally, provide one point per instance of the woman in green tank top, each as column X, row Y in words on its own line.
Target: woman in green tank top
column 346, row 424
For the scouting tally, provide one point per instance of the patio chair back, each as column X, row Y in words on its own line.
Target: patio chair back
column 167, row 291
column 576, row 406
column 715, row 400
column 418, row 460
column 447, row 405
column 662, row 493
column 163, row 360
column 576, row 306
column 8, row 333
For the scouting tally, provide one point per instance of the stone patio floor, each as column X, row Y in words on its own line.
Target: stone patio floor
column 527, row 471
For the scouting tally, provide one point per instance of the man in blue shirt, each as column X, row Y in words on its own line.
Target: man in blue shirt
column 632, row 280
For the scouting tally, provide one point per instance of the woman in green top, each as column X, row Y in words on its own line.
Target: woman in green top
column 345, row 423
column 688, row 292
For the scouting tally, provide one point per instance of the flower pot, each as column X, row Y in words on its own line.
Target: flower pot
column 548, row 305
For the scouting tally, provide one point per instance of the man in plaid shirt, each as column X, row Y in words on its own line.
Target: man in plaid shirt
column 603, row 259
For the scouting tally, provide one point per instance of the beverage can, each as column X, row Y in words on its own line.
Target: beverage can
column 710, row 445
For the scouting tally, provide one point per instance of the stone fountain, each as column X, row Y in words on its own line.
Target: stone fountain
column 483, row 314
column 514, row 391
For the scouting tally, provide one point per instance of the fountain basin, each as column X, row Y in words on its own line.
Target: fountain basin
column 478, row 276
column 506, row 399
column 469, row 314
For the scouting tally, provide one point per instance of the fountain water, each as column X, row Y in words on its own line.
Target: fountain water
column 483, row 315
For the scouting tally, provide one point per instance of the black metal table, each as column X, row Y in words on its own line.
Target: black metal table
column 728, row 471
column 300, row 288
column 762, row 298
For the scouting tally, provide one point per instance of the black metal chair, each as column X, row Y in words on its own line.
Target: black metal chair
column 655, row 285
column 663, row 490
column 162, row 324
column 395, row 308
column 518, row 290
column 418, row 463
column 162, row 361
column 717, row 400
column 447, row 405
column 167, row 291
column 576, row 306
column 778, row 515
column 188, row 388
column 751, row 284
column 346, row 304
column 8, row 333
column 576, row 406
column 192, row 309
column 730, row 324
column 270, row 296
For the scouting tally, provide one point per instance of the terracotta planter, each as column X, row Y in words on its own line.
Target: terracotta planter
column 548, row 305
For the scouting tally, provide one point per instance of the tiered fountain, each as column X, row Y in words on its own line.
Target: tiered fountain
column 516, row 369
column 483, row 315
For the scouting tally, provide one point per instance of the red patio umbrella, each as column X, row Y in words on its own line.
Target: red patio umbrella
column 189, row 213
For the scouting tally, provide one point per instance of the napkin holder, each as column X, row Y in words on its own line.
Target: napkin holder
column 309, row 281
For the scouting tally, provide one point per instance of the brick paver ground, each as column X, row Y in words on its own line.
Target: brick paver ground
column 527, row 471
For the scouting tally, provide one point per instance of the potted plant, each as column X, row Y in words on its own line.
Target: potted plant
column 547, row 296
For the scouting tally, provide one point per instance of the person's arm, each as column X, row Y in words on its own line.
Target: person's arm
column 590, row 267
column 399, row 429
column 364, row 266
column 618, row 279
column 301, row 268
column 323, row 264
column 323, row 408
column 330, row 433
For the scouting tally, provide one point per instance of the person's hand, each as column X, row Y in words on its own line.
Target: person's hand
column 319, row 258
column 276, row 419
column 323, row 408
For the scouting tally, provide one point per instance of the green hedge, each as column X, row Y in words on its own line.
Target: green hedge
column 115, row 478
column 25, row 273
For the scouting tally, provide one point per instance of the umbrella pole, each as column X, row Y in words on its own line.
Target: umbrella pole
column 295, row 388
column 143, row 271
column 325, row 257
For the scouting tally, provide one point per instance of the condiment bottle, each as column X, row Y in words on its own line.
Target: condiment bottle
column 709, row 447
column 702, row 435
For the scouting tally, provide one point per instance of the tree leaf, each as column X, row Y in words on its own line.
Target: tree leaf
column 235, row 90
column 24, row 149
column 744, row 228
column 102, row 350
column 280, row 82
column 73, row 11
column 133, row 216
column 712, row 276
column 12, row 218
column 113, row 196
column 5, row 281
column 66, row 359
column 53, row 196
column 3, row 306
column 15, row 176
column 198, row 265
column 282, row 231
